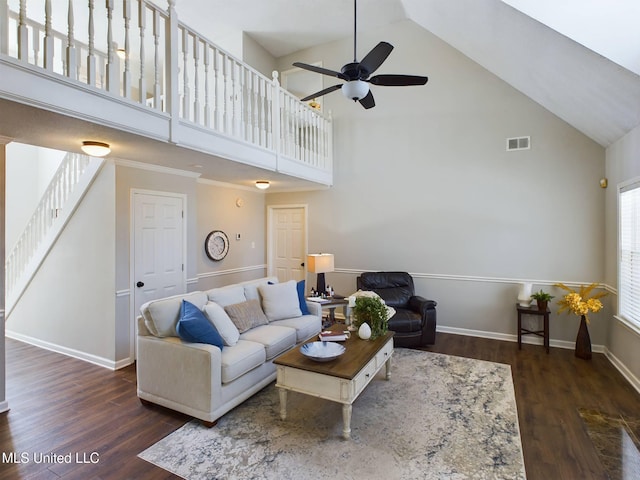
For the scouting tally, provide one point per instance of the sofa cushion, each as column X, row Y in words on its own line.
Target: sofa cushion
column 194, row 326
column 161, row 316
column 228, row 295
column 241, row 358
column 405, row 321
column 280, row 300
column 276, row 339
column 226, row 328
column 306, row 326
column 246, row 315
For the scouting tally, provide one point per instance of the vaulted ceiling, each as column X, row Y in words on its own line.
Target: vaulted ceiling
column 571, row 77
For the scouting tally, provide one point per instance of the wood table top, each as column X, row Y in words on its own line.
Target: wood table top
column 358, row 353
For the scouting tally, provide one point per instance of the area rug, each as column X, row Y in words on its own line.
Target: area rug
column 438, row 417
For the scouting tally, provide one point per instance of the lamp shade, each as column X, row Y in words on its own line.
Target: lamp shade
column 320, row 262
column 355, row 89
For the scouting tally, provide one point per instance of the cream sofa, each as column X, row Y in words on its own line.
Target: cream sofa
column 202, row 380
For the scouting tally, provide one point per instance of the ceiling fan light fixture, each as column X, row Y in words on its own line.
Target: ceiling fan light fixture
column 355, row 90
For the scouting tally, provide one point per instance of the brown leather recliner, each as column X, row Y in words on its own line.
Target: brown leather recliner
column 414, row 322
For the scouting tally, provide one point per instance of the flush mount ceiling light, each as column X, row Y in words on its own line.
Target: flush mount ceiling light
column 262, row 184
column 96, row 149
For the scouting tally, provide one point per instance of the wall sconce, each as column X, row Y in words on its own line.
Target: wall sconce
column 262, row 184
column 604, row 182
column 96, row 149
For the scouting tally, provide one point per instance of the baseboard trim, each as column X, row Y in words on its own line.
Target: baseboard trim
column 508, row 337
column 624, row 371
column 4, row 406
column 69, row 352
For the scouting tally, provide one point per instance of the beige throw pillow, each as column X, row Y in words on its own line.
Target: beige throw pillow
column 246, row 315
column 280, row 300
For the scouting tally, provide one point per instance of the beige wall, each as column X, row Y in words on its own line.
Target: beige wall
column 70, row 302
column 623, row 164
column 423, row 184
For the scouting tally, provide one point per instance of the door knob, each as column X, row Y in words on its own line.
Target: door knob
column 302, row 264
column 140, row 284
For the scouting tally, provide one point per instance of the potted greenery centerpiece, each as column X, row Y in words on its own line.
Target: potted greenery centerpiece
column 580, row 303
column 371, row 309
column 542, row 299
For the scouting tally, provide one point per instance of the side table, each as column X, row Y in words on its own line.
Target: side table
column 533, row 310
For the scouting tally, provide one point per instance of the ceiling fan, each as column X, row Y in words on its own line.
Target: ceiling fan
column 357, row 74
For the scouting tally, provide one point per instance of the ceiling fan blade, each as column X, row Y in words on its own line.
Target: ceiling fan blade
column 398, row 80
column 323, row 71
column 321, row 92
column 375, row 58
column 368, row 101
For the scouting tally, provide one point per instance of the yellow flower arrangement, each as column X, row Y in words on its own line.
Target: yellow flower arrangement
column 579, row 302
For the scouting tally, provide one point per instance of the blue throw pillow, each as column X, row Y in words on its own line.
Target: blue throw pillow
column 303, row 303
column 194, row 327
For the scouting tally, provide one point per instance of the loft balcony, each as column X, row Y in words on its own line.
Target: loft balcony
column 132, row 75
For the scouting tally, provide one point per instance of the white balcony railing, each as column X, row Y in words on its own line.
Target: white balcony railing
column 136, row 51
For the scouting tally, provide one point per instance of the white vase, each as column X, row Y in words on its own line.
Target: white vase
column 524, row 295
column 364, row 332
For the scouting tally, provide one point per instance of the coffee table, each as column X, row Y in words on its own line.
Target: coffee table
column 340, row 380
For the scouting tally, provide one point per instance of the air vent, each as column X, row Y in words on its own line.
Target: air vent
column 518, row 143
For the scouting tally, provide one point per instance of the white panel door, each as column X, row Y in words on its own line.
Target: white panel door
column 158, row 247
column 289, row 243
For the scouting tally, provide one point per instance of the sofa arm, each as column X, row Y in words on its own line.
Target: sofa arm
column 175, row 373
column 314, row 308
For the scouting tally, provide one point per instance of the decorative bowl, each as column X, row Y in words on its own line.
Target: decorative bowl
column 322, row 351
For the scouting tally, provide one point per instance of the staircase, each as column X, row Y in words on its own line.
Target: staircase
column 61, row 198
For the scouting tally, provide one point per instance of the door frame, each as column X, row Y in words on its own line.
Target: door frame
column 271, row 210
column 133, row 315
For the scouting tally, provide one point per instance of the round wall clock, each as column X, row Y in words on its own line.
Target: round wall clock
column 216, row 246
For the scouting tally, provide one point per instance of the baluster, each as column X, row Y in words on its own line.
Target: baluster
column 23, row 33
column 156, row 60
column 240, row 101
column 71, row 49
column 48, row 37
column 36, row 44
column 112, row 60
column 196, row 85
column 256, row 109
column 227, row 94
column 186, row 91
column 126, row 77
column 218, row 92
column 91, row 58
column 248, row 104
column 207, row 107
column 264, row 105
column 142, row 23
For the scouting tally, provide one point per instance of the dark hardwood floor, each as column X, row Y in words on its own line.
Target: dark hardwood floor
column 61, row 405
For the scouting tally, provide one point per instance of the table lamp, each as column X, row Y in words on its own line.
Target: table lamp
column 320, row 263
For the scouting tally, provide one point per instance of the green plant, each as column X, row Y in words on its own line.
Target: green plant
column 374, row 312
column 542, row 296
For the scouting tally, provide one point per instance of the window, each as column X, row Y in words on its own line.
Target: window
column 629, row 252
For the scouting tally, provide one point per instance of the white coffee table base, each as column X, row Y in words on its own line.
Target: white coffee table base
column 333, row 388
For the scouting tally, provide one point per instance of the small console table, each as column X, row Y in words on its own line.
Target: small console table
column 533, row 310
